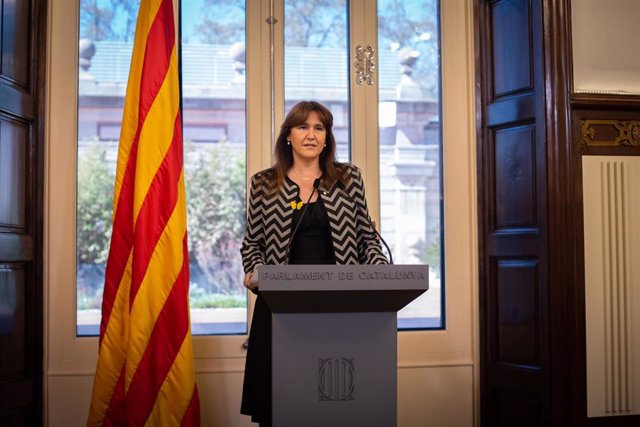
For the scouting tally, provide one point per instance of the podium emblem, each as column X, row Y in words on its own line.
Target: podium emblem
column 336, row 379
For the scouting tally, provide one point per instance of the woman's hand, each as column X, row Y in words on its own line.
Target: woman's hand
column 247, row 280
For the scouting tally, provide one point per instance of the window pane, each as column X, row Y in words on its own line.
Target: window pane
column 316, row 61
column 213, row 85
column 410, row 147
column 213, row 82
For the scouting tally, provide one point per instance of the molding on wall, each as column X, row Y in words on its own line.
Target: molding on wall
column 600, row 100
column 610, row 133
column 440, row 364
column 240, row 369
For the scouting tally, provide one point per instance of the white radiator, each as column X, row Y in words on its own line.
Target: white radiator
column 611, row 202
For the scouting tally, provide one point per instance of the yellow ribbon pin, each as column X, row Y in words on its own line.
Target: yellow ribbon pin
column 297, row 205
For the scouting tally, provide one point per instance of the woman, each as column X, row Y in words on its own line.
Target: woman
column 333, row 227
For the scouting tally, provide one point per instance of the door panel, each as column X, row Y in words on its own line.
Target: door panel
column 515, row 173
column 516, row 301
column 20, row 214
column 515, row 408
column 512, row 212
column 13, row 173
column 15, row 42
column 511, row 45
column 12, row 321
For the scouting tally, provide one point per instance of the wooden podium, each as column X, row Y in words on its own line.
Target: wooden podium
column 334, row 357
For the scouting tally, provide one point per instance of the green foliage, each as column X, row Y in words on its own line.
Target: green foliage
column 89, row 298
column 95, row 196
column 432, row 257
column 216, row 206
column 200, row 298
column 429, row 253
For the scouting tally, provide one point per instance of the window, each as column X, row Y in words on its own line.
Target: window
column 389, row 127
column 410, row 147
column 213, row 88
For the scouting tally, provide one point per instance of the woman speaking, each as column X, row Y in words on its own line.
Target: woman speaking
column 306, row 209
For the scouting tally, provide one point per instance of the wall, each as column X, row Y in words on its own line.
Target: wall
column 437, row 370
column 604, row 37
column 605, row 146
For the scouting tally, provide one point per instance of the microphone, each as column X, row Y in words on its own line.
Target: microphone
column 369, row 220
column 316, row 184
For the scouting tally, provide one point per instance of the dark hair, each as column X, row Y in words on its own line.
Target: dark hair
column 332, row 170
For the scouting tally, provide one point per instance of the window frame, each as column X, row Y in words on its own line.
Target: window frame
column 69, row 357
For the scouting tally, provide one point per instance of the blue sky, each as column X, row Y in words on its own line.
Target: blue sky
column 190, row 12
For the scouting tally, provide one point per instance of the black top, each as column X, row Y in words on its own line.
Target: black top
column 311, row 245
column 312, row 242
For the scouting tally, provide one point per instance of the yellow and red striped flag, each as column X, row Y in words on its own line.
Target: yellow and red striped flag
column 145, row 372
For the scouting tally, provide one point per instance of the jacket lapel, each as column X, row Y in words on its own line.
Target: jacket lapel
column 341, row 211
column 277, row 217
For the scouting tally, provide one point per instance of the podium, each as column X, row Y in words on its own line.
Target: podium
column 334, row 341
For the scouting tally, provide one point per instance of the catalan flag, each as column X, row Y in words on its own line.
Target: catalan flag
column 145, row 372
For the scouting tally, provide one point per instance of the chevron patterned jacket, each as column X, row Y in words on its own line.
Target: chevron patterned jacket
column 269, row 219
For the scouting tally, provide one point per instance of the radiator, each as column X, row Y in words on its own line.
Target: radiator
column 611, row 203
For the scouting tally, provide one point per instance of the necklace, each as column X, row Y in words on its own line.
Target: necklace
column 303, row 178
